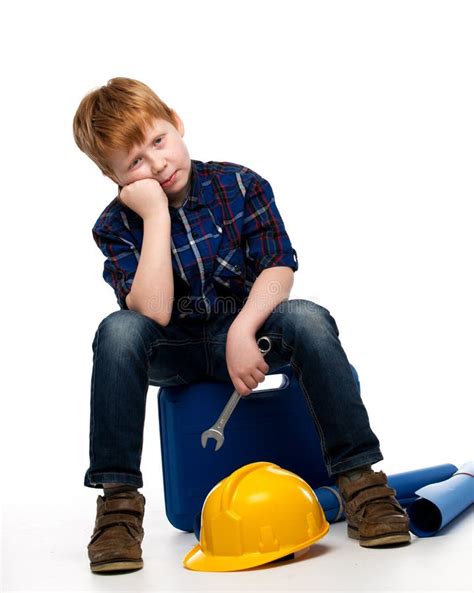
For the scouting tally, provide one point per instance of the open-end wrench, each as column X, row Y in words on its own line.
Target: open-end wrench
column 217, row 430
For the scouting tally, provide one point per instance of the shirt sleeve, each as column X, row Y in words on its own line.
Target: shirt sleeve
column 266, row 241
column 121, row 263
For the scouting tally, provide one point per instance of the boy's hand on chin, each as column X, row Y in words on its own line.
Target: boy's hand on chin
column 146, row 197
column 245, row 362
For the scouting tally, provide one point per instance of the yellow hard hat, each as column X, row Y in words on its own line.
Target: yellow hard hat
column 259, row 513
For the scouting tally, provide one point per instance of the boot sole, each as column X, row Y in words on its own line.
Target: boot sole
column 381, row 540
column 115, row 565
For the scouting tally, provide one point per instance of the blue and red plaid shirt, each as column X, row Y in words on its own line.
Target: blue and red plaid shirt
column 226, row 232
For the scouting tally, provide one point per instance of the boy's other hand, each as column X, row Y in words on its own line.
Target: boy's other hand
column 145, row 197
column 245, row 362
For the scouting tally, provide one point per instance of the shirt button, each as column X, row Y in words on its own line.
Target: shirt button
column 237, row 269
column 219, row 229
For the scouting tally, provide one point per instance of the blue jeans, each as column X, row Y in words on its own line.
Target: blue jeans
column 132, row 351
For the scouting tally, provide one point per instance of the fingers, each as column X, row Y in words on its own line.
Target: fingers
column 247, row 384
column 258, row 375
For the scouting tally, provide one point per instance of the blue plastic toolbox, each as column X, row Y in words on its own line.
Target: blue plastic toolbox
column 269, row 425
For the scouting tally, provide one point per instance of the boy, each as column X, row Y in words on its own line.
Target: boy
column 200, row 262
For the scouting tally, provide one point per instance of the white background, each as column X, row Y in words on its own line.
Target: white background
column 360, row 114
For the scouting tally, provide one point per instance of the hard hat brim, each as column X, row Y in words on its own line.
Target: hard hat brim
column 195, row 559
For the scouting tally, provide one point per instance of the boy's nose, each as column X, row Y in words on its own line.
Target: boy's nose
column 157, row 165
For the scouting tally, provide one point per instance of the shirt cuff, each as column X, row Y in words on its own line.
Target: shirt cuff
column 278, row 259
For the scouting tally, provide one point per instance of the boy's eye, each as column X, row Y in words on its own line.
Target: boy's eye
column 138, row 159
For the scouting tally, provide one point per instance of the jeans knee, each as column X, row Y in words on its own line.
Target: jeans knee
column 305, row 315
column 121, row 327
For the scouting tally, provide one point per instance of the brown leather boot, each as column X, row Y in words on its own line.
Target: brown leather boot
column 374, row 516
column 118, row 533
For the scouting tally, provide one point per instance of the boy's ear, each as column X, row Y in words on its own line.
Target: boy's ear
column 178, row 123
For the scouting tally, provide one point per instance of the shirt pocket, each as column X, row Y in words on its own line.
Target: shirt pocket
column 229, row 269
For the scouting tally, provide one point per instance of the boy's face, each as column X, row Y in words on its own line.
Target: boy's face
column 163, row 155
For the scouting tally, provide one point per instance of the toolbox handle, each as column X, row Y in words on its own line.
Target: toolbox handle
column 282, row 374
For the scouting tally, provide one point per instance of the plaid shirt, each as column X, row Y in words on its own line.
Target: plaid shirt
column 227, row 231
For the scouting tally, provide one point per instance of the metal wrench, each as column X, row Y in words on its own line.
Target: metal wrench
column 217, row 430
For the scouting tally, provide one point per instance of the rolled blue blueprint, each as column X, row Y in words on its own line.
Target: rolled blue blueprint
column 330, row 499
column 405, row 485
column 440, row 503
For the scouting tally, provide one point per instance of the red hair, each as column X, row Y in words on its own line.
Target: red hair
column 115, row 117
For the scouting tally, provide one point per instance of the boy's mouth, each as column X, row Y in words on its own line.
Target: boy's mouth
column 169, row 181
